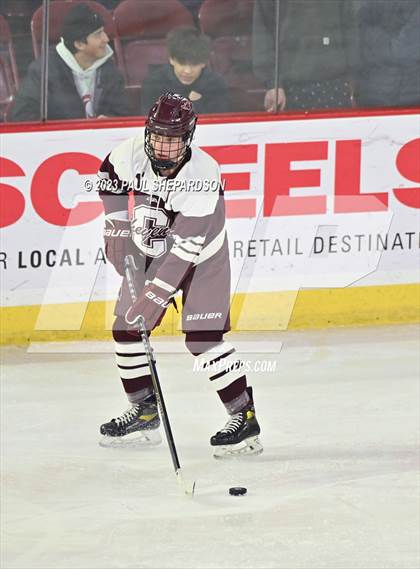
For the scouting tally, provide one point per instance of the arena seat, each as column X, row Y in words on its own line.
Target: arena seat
column 141, row 34
column 229, row 25
column 7, row 51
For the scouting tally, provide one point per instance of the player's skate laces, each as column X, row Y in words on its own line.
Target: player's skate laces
column 240, row 434
column 141, row 420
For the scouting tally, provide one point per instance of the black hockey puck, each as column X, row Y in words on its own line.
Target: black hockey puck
column 237, row 491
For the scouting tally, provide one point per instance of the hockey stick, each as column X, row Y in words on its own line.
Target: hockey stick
column 188, row 487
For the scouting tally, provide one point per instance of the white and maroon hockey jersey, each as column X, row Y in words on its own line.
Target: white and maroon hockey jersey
column 178, row 223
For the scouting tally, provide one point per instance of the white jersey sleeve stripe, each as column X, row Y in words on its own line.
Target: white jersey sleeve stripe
column 162, row 284
column 183, row 254
column 212, row 248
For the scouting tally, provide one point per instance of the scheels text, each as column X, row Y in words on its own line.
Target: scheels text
column 280, row 177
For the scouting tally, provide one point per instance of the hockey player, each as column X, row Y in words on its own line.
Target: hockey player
column 176, row 233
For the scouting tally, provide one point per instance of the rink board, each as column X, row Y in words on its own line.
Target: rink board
column 305, row 309
column 322, row 220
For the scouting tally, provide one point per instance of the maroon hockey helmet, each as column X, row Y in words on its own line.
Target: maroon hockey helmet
column 172, row 116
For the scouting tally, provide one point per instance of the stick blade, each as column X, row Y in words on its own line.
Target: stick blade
column 187, row 486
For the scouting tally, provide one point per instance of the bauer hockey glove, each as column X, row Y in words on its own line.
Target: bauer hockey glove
column 117, row 236
column 151, row 304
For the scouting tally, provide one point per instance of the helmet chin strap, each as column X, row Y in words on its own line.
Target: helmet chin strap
column 161, row 164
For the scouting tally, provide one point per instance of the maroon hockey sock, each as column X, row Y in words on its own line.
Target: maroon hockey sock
column 235, row 397
column 138, row 389
column 133, row 367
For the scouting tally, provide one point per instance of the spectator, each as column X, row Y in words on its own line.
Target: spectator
column 187, row 74
column 83, row 81
column 315, row 53
column 389, row 61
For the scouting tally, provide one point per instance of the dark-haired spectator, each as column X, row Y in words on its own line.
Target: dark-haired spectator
column 187, row 74
column 315, row 53
column 389, row 61
column 83, row 81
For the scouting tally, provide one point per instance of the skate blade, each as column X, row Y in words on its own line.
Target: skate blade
column 137, row 439
column 248, row 447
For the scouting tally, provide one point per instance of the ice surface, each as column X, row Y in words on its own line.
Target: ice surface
column 336, row 487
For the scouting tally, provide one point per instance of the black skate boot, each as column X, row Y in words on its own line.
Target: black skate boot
column 138, row 425
column 240, row 434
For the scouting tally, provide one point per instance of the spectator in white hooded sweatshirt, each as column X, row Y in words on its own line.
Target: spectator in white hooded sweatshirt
column 83, row 81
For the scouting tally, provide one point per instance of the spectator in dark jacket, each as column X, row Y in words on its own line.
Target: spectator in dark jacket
column 83, row 81
column 315, row 53
column 187, row 74
column 389, row 61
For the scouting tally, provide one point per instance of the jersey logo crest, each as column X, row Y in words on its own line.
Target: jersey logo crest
column 150, row 229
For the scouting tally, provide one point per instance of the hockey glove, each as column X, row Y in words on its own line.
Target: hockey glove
column 117, row 235
column 151, row 304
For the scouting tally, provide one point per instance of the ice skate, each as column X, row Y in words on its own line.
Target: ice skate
column 138, row 426
column 239, row 437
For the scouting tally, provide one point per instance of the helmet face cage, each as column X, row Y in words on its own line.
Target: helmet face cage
column 175, row 146
column 171, row 117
